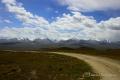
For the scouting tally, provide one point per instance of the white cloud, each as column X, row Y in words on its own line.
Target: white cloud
column 91, row 5
column 23, row 15
column 113, row 23
column 74, row 22
column 7, row 21
column 68, row 26
column 13, row 2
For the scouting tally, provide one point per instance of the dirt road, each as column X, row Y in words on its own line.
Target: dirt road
column 109, row 69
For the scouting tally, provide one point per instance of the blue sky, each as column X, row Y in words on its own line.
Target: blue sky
column 45, row 8
column 50, row 9
column 51, row 14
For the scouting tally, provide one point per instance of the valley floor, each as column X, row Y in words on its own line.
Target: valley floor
column 36, row 65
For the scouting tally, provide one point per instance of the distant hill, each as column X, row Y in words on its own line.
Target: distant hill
column 38, row 44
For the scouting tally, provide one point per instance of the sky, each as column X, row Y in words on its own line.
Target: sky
column 60, row 19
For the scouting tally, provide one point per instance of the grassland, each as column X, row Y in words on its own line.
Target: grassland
column 111, row 53
column 42, row 66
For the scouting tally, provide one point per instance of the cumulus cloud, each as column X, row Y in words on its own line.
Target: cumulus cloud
column 113, row 23
column 13, row 2
column 74, row 25
column 23, row 15
column 75, row 21
column 5, row 21
column 91, row 5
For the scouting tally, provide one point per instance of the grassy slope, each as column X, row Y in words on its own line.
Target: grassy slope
column 111, row 53
column 41, row 66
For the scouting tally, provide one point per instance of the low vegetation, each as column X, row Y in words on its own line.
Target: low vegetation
column 42, row 66
column 111, row 53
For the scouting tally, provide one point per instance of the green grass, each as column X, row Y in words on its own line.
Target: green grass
column 41, row 66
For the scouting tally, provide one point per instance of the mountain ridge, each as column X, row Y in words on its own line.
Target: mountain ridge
column 47, row 43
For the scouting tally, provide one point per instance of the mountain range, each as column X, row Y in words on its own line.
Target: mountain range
column 38, row 44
